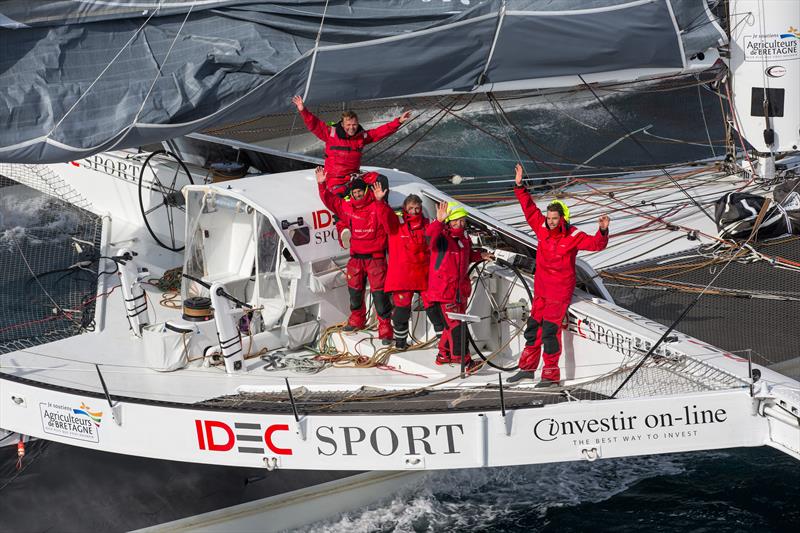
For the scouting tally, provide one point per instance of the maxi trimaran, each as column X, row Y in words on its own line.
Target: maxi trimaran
column 237, row 357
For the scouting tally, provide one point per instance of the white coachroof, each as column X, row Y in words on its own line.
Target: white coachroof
column 289, row 196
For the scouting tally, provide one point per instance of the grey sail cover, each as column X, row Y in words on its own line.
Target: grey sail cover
column 77, row 78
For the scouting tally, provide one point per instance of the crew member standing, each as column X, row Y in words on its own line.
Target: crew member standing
column 553, row 282
column 366, row 216
column 448, row 283
column 409, row 255
column 344, row 143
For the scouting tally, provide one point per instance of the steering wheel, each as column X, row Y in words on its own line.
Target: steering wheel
column 161, row 179
column 504, row 319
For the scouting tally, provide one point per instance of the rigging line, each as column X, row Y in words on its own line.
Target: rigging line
column 383, row 150
column 612, row 145
column 412, row 145
column 113, row 59
column 310, row 72
column 503, row 127
column 645, row 150
column 153, row 84
column 524, row 135
column 693, row 302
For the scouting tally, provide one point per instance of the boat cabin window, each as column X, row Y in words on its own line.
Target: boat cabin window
column 229, row 242
column 268, row 253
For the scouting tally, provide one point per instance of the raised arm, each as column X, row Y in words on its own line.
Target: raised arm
column 381, row 132
column 598, row 241
column 314, row 124
column 331, row 201
column 388, row 218
column 534, row 217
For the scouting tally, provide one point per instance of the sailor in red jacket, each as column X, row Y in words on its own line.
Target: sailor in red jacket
column 409, row 255
column 553, row 282
column 344, row 143
column 366, row 215
column 448, row 283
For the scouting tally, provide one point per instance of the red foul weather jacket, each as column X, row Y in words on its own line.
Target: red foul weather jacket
column 556, row 251
column 450, row 259
column 409, row 255
column 367, row 219
column 343, row 152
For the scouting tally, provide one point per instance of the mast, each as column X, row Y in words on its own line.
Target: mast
column 765, row 67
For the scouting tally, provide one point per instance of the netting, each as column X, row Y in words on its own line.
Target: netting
column 49, row 250
column 753, row 309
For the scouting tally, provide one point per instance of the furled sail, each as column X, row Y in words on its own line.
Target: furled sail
column 77, row 78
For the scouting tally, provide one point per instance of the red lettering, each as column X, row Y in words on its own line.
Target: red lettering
column 322, row 219
column 268, row 439
column 214, row 446
column 201, row 441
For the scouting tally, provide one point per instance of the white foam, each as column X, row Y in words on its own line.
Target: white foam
column 28, row 215
column 465, row 499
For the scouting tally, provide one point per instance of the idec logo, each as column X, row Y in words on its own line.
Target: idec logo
column 322, row 218
column 248, row 437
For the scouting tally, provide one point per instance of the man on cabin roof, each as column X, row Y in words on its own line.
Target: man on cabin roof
column 553, row 281
column 344, row 143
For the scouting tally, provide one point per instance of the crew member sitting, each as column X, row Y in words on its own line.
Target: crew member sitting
column 553, row 282
column 409, row 255
column 366, row 215
column 344, row 143
column 448, row 283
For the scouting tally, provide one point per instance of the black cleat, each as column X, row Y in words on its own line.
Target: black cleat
column 401, row 344
column 521, row 375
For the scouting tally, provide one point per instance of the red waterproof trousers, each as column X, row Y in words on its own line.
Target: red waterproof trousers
column 361, row 268
column 451, row 345
column 544, row 331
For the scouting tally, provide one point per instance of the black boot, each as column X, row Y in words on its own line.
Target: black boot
column 521, row 375
column 401, row 344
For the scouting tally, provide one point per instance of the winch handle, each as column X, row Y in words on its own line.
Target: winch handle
column 197, row 280
column 221, row 292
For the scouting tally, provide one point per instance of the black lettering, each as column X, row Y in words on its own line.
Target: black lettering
column 451, row 448
column 326, row 440
column 348, row 439
column 592, row 426
column 373, row 440
column 412, row 450
column 720, row 415
column 651, row 421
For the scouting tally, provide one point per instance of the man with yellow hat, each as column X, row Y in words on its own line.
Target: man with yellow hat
column 553, row 281
column 448, row 283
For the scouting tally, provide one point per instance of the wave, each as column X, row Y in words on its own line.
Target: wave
column 500, row 498
column 27, row 215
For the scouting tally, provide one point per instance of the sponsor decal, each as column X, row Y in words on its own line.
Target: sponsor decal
column 619, row 428
column 80, row 423
column 329, row 441
column 386, row 441
column 622, row 342
column 776, row 71
column 769, row 46
column 324, row 228
column 247, row 437
column 125, row 170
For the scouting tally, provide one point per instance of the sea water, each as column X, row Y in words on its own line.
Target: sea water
column 719, row 491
